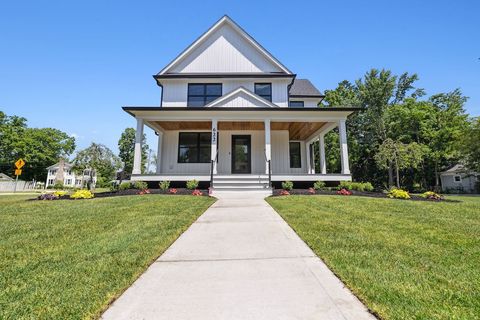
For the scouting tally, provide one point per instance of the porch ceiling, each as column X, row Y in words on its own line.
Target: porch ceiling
column 297, row 130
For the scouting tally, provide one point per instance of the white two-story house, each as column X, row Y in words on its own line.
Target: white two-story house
column 63, row 172
column 234, row 117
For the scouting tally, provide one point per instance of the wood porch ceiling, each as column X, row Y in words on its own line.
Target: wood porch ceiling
column 297, row 130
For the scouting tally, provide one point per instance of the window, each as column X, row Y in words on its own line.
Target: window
column 53, row 172
column 68, row 182
column 296, row 104
column 264, row 90
column 194, row 147
column 457, row 178
column 295, row 157
column 200, row 94
column 50, row 182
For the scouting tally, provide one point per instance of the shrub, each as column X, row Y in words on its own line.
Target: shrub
column 398, row 194
column 172, row 191
column 287, row 185
column 357, row 186
column 344, row 192
column 164, row 185
column 311, row 190
column 432, row 195
column 284, row 193
column 82, row 194
column 60, row 193
column 140, row 185
column 144, row 191
column 125, row 185
column 58, row 185
column 192, row 184
column 47, row 196
column 319, row 185
column 197, row 192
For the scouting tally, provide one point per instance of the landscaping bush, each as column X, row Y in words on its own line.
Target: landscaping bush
column 82, row 194
column 432, row 195
column 140, row 185
column 284, row 193
column 60, row 193
column 125, row 185
column 192, row 184
column 287, row 185
column 58, row 185
column 311, row 190
column 164, row 185
column 344, row 192
column 357, row 186
column 398, row 194
column 47, row 196
column 197, row 192
column 319, row 185
column 172, row 191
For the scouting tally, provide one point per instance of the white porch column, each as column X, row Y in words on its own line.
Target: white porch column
column 307, row 157
column 214, row 144
column 137, row 156
column 313, row 158
column 321, row 146
column 159, row 152
column 343, row 146
column 268, row 146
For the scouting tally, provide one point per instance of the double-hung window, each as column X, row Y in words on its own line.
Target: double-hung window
column 200, row 94
column 194, row 147
column 264, row 90
column 295, row 155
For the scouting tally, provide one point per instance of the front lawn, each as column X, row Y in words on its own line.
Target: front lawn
column 69, row 259
column 404, row 259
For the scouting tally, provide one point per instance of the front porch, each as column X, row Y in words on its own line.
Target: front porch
column 276, row 145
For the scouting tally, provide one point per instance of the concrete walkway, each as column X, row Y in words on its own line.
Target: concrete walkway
column 239, row 260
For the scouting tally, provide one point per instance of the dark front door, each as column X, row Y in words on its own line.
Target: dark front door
column 241, row 154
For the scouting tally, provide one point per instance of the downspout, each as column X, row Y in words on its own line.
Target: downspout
column 288, row 90
column 161, row 86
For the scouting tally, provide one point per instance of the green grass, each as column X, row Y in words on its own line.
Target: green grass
column 404, row 259
column 70, row 259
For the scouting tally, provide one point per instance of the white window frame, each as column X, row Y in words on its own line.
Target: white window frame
column 455, row 178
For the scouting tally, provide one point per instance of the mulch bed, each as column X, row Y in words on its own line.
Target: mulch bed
column 277, row 193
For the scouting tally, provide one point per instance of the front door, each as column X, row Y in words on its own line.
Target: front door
column 241, row 154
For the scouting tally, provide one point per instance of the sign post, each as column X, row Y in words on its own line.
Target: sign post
column 18, row 164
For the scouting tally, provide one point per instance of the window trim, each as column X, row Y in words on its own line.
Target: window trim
column 198, row 133
column 263, row 96
column 296, row 101
column 299, row 154
column 459, row 180
column 204, row 93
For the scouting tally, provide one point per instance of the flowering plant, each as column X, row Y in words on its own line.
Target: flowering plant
column 197, row 192
column 344, row 192
column 311, row 190
column 144, row 191
column 172, row 190
column 432, row 195
column 284, row 193
column 60, row 193
column 47, row 196
column 398, row 194
column 82, row 194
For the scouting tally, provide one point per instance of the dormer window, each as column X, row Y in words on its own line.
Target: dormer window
column 200, row 94
column 297, row 104
column 264, row 90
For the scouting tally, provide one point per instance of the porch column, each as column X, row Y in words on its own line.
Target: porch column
column 307, row 158
column 321, row 146
column 312, row 169
column 268, row 146
column 159, row 152
column 343, row 146
column 214, row 144
column 137, row 156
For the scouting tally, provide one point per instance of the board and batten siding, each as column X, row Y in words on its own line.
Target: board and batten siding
column 175, row 92
column 280, row 153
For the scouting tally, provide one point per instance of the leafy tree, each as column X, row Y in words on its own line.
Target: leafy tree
column 40, row 147
column 126, row 146
column 470, row 145
column 101, row 159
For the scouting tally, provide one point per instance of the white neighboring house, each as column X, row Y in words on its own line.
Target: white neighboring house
column 234, row 117
column 459, row 179
column 70, row 179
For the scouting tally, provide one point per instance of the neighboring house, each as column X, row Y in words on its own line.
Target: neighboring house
column 231, row 114
column 459, row 179
column 4, row 177
column 63, row 172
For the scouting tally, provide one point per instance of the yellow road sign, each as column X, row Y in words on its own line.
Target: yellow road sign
column 19, row 164
column 18, row 172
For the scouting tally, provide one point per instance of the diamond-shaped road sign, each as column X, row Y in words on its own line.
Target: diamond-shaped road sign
column 19, row 164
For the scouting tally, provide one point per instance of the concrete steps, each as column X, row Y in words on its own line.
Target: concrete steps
column 241, row 183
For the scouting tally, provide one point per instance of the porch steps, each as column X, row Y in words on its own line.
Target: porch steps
column 241, row 183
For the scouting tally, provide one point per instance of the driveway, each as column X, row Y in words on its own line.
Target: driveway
column 239, row 260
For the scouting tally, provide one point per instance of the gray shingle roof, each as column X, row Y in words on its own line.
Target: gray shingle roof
column 304, row 88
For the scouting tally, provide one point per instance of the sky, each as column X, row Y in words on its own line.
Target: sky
column 71, row 65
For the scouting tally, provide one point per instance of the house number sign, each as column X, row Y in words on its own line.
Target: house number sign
column 214, row 135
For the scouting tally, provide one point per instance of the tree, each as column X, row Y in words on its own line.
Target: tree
column 402, row 156
column 126, row 146
column 101, row 159
column 40, row 147
column 470, row 145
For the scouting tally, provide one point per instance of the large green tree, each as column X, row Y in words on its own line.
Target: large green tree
column 470, row 145
column 39, row 147
column 126, row 147
column 101, row 159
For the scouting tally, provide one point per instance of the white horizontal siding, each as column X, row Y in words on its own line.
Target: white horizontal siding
column 175, row 92
column 280, row 154
column 308, row 102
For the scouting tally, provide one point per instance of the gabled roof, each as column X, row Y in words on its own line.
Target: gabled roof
column 241, row 97
column 304, row 88
column 458, row 168
column 224, row 21
column 56, row 165
column 4, row 177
